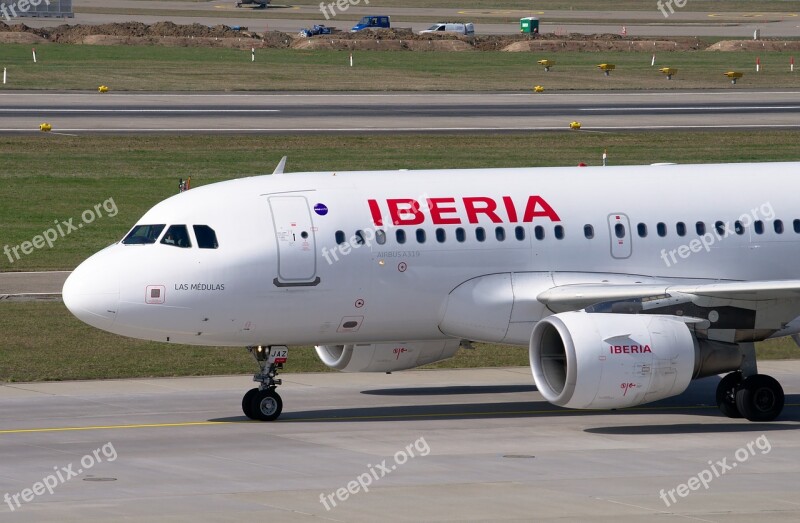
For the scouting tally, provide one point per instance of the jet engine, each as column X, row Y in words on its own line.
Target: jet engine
column 385, row 357
column 603, row 361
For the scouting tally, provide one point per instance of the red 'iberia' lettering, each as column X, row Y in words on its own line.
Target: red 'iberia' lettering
column 629, row 349
column 453, row 211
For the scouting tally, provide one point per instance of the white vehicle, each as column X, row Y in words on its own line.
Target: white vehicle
column 625, row 282
column 450, row 27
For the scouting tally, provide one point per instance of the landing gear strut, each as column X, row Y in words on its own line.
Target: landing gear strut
column 264, row 403
column 726, row 394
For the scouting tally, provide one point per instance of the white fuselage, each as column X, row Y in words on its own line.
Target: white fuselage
column 280, row 276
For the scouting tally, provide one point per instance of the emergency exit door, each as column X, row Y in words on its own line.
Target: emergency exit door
column 294, row 233
column 619, row 228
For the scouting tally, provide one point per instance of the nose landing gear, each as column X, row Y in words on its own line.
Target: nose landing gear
column 264, row 403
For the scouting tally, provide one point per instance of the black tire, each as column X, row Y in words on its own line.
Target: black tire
column 726, row 394
column 760, row 398
column 247, row 403
column 267, row 405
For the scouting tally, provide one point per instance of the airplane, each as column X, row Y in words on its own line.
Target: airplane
column 625, row 283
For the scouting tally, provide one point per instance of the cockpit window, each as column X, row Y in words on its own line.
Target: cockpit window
column 143, row 235
column 206, row 237
column 178, row 236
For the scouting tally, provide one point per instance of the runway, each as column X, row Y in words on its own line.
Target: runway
column 451, row 445
column 32, row 285
column 22, row 112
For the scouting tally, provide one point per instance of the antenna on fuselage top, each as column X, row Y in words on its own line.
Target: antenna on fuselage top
column 280, row 167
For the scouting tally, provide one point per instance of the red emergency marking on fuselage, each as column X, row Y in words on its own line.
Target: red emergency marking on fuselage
column 454, row 211
column 629, row 349
column 398, row 351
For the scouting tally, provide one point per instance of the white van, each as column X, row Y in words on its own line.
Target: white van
column 450, row 27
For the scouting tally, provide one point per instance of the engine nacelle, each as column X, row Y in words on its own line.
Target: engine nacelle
column 602, row 361
column 385, row 357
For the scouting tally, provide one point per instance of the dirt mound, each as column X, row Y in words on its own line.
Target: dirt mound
column 755, row 45
column 73, row 34
column 20, row 38
column 439, row 45
column 340, row 44
column 196, row 35
column 276, row 40
column 170, row 41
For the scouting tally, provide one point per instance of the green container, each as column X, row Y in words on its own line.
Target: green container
column 529, row 24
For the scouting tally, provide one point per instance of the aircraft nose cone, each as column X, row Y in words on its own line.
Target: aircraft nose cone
column 91, row 293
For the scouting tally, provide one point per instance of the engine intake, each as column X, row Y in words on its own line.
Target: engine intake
column 581, row 360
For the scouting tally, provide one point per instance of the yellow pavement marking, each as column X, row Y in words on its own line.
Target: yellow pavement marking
column 362, row 418
column 109, row 427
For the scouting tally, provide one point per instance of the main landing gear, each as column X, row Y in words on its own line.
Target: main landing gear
column 264, row 403
column 757, row 397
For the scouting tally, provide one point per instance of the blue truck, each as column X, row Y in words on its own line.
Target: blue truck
column 371, row 22
column 315, row 30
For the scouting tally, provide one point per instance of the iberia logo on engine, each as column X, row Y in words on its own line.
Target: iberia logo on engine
column 629, row 349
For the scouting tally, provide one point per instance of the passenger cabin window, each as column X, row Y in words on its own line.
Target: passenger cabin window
column 400, row 235
column 758, row 225
column 700, row 227
column 340, row 238
column 420, row 235
column 680, row 228
column 461, row 235
column 720, row 228
column 177, row 236
column 778, row 225
column 480, row 234
column 519, row 232
column 738, row 227
column 642, row 230
column 619, row 230
column 500, row 234
column 206, row 237
column 796, row 226
column 360, row 238
column 588, row 231
column 559, row 232
column 143, row 234
column 380, row 236
column 538, row 231
column 661, row 229
column 440, row 235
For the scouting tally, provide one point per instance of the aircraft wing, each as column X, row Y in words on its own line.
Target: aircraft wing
column 728, row 311
column 579, row 296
